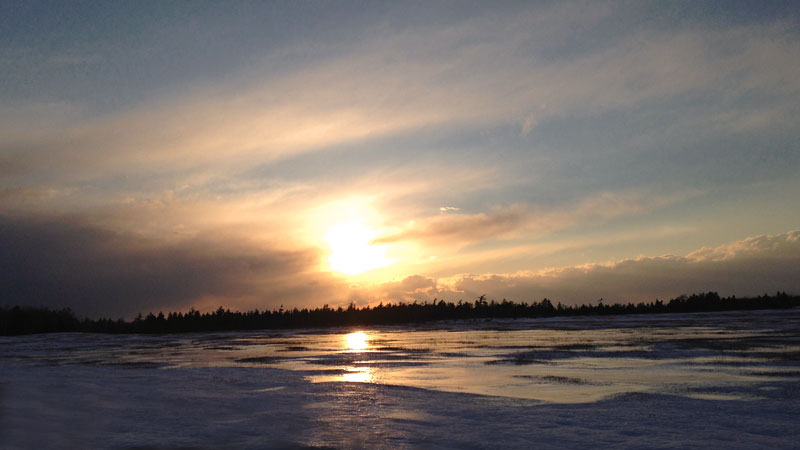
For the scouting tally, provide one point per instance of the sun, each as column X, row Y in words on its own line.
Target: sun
column 351, row 251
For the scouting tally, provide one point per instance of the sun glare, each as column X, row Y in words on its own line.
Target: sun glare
column 350, row 250
column 356, row 341
column 357, row 375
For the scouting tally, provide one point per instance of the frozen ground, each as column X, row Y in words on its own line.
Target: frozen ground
column 703, row 380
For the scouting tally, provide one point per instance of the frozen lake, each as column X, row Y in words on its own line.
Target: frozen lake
column 709, row 379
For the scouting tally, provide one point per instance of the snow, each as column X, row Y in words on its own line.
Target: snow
column 697, row 381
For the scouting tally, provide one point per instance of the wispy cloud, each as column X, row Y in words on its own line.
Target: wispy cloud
column 523, row 220
column 359, row 93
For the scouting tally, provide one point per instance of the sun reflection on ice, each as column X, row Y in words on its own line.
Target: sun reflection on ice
column 358, row 375
column 356, row 341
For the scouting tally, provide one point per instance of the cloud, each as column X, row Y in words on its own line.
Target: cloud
column 485, row 71
column 455, row 229
column 784, row 246
column 64, row 262
column 415, row 287
column 521, row 219
column 751, row 266
column 180, row 149
column 528, row 124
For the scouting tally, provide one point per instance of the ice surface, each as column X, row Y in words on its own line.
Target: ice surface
column 674, row 381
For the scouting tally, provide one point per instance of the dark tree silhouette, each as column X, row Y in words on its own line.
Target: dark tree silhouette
column 26, row 320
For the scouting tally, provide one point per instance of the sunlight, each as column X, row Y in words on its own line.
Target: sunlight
column 357, row 341
column 351, row 251
column 357, row 375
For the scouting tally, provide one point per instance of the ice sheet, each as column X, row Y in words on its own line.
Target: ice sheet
column 725, row 381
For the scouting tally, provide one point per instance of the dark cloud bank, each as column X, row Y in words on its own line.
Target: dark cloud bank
column 59, row 262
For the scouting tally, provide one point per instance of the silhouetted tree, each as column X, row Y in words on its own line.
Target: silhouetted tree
column 23, row 320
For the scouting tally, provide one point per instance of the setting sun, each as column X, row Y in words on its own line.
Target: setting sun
column 350, row 250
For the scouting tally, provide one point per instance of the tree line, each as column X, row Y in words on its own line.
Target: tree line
column 27, row 320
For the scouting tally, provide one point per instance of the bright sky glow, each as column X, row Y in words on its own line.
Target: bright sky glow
column 351, row 250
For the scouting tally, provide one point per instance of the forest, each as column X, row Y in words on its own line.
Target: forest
column 18, row 320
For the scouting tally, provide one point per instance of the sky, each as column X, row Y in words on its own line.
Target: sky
column 169, row 155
